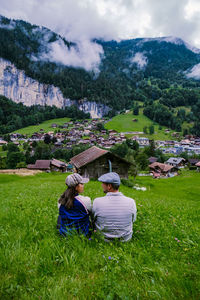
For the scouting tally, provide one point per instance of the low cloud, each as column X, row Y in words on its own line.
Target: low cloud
column 140, row 60
column 194, row 72
column 85, row 54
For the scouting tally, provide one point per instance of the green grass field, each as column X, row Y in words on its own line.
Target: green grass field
column 46, row 126
column 124, row 123
column 161, row 261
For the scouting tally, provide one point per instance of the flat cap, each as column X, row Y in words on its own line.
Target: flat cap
column 75, row 179
column 111, row 177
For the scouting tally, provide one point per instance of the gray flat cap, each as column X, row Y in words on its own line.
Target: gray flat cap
column 75, row 179
column 111, row 177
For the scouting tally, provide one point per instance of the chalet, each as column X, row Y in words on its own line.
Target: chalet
column 49, row 165
column 57, row 165
column 94, row 162
column 176, row 161
column 142, row 141
column 162, row 169
column 43, row 165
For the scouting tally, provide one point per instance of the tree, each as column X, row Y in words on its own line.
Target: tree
column 47, row 139
column 133, row 144
column 150, row 150
column 145, row 129
column 12, row 147
column 136, row 110
column 13, row 158
column 120, row 149
column 142, row 160
column 133, row 170
column 151, row 129
column 100, row 126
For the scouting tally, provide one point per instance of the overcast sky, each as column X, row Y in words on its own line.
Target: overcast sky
column 111, row 19
column 82, row 20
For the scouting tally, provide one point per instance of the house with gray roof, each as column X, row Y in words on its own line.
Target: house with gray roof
column 176, row 162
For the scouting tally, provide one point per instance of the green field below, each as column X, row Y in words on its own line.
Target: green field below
column 124, row 123
column 160, row 262
column 46, row 126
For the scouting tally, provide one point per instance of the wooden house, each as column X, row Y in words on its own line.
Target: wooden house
column 162, row 169
column 176, row 162
column 94, row 162
column 49, row 165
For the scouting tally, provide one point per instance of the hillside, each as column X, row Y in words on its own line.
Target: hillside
column 160, row 69
column 124, row 123
column 161, row 261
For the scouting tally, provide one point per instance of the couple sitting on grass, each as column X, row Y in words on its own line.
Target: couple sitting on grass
column 112, row 215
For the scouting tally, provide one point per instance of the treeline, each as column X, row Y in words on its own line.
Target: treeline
column 20, row 158
column 14, row 116
column 175, row 119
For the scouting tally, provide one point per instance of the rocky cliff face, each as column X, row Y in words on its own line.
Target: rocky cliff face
column 15, row 85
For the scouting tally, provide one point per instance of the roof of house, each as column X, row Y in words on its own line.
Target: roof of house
column 41, row 164
column 162, row 167
column 87, row 156
column 152, row 159
column 58, row 163
column 175, row 160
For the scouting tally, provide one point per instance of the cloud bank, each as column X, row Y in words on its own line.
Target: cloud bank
column 81, row 21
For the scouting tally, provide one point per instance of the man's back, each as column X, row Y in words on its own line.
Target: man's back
column 114, row 215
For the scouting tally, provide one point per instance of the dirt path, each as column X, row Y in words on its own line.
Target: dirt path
column 21, row 172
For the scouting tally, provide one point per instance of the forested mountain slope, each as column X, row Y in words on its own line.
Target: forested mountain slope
column 165, row 70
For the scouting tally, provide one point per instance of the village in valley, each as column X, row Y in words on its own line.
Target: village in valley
column 97, row 158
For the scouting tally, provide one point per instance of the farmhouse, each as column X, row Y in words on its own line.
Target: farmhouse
column 94, row 162
column 176, row 161
column 49, row 165
column 162, row 169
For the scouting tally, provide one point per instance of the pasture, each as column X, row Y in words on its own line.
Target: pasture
column 46, row 126
column 160, row 262
column 124, row 123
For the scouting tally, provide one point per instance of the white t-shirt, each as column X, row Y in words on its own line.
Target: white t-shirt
column 114, row 215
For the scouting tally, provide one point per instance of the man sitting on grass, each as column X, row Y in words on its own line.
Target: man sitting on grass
column 114, row 213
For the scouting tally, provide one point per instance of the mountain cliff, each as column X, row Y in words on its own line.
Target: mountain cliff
column 15, row 85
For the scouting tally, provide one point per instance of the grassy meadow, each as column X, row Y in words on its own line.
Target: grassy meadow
column 124, row 123
column 46, row 126
column 160, row 262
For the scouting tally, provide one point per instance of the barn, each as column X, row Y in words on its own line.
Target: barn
column 94, row 162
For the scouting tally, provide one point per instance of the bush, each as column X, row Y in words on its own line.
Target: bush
column 21, row 164
column 127, row 182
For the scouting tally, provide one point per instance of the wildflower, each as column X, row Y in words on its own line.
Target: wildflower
column 109, row 257
column 176, row 239
column 89, row 239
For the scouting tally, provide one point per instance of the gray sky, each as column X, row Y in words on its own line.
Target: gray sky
column 111, row 19
column 82, row 20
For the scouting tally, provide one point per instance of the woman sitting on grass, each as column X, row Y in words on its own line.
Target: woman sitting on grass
column 74, row 209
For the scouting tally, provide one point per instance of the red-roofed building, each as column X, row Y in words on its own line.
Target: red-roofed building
column 162, row 169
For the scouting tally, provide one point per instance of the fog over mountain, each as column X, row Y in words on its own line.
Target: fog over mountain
column 83, row 21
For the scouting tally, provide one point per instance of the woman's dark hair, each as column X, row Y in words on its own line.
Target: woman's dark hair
column 67, row 198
